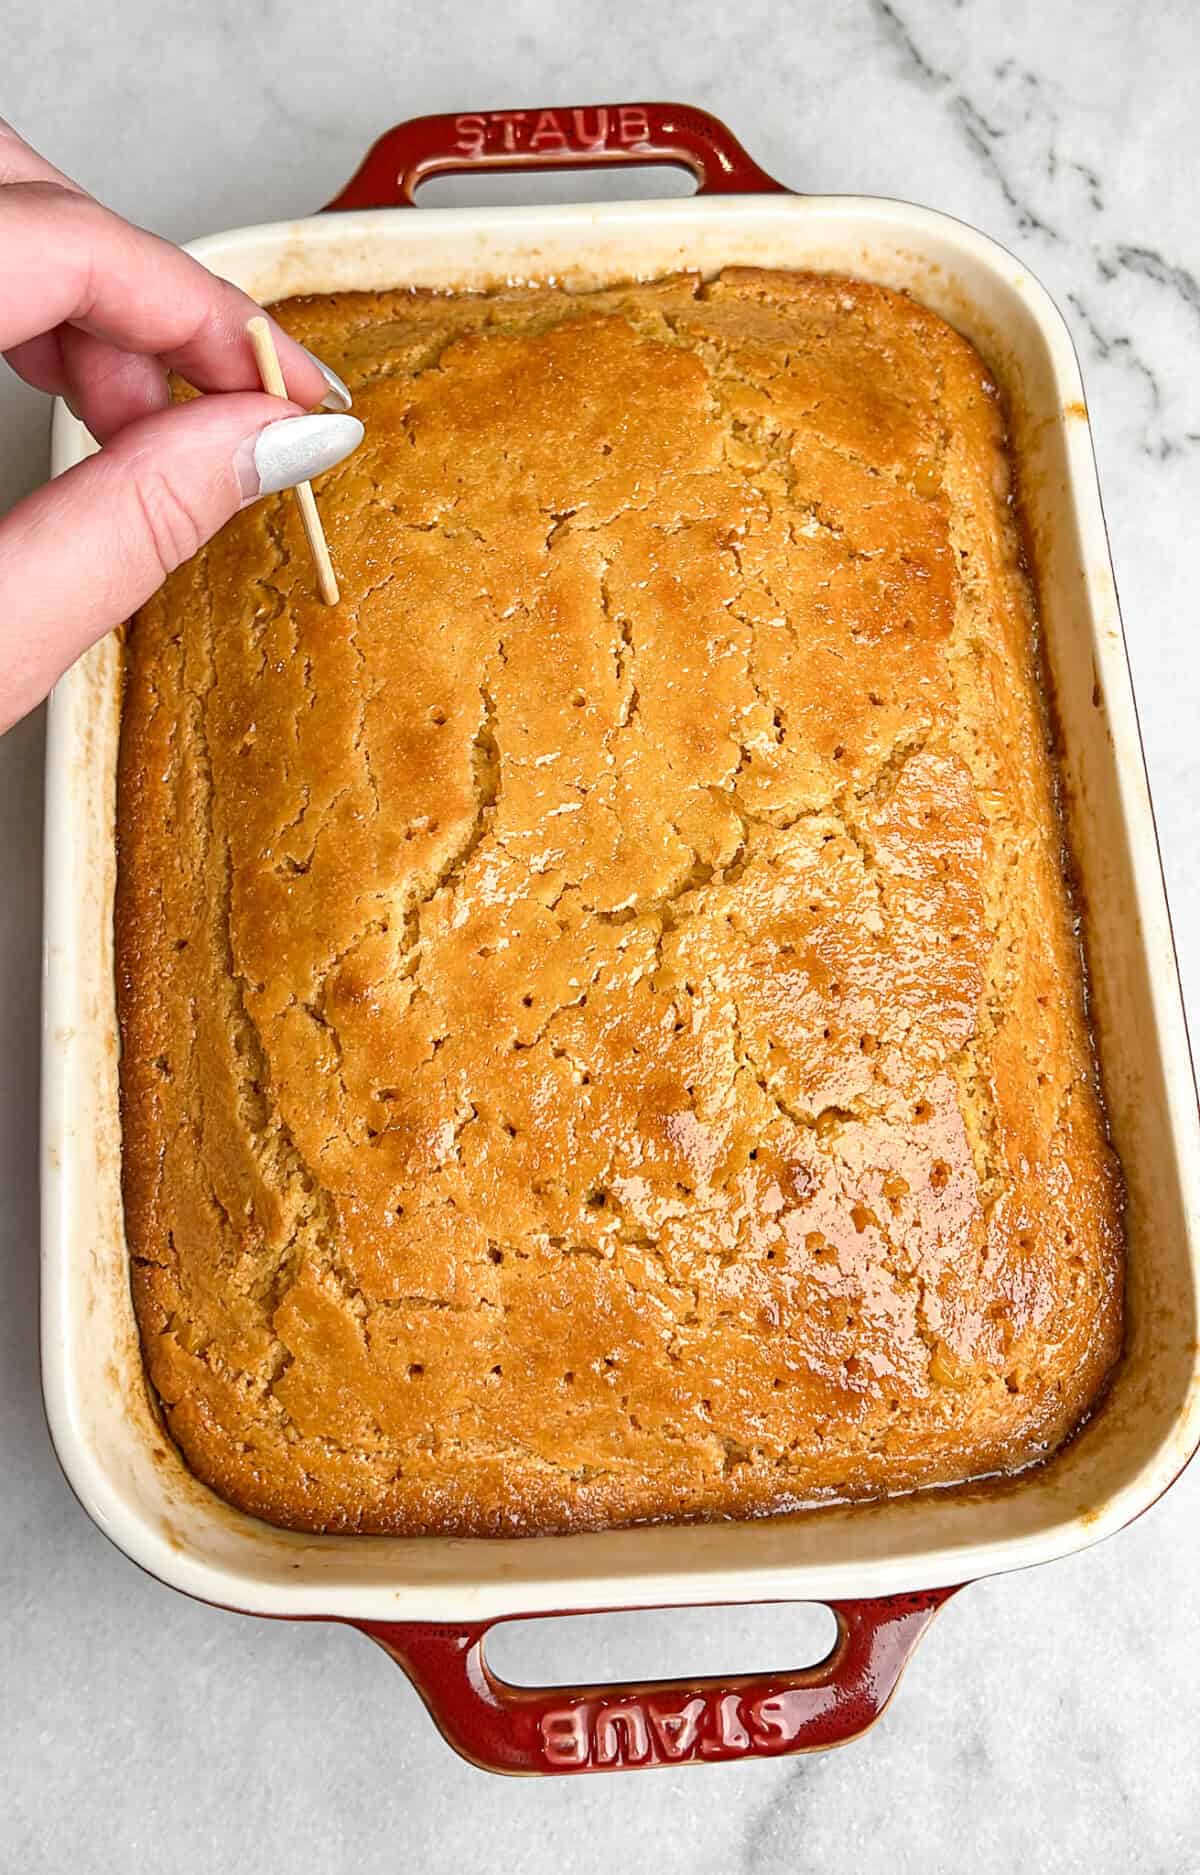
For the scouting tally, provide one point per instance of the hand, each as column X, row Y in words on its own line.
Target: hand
column 97, row 311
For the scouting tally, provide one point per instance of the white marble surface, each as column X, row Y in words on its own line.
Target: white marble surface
column 1050, row 1721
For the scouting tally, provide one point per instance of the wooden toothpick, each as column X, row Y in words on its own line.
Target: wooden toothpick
column 263, row 342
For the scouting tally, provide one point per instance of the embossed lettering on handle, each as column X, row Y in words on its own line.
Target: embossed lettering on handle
column 563, row 1730
column 560, row 137
column 585, row 132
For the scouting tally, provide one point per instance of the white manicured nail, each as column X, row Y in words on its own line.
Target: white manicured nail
column 293, row 450
column 337, row 397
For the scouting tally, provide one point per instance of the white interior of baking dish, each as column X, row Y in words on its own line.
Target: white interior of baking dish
column 111, row 1446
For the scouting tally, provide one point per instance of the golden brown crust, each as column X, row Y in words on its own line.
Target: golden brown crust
column 602, row 1020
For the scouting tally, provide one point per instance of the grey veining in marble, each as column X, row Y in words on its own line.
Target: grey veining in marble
column 1050, row 1721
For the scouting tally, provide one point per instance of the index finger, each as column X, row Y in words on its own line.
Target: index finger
column 64, row 259
column 20, row 162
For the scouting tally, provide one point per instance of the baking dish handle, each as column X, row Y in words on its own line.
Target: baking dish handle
column 526, row 1730
column 565, row 137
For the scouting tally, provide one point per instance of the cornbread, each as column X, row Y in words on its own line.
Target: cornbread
column 603, row 1018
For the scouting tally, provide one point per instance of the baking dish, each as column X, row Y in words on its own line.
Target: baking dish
column 883, row 1568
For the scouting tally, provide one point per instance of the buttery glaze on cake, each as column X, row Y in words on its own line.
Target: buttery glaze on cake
column 603, row 1026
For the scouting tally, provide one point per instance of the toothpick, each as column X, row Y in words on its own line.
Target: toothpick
column 261, row 338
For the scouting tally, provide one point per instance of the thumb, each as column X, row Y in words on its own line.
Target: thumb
column 82, row 553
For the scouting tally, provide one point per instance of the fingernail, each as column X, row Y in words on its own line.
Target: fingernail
column 337, row 397
column 293, row 450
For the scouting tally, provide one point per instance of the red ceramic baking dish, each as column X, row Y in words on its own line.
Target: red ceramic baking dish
column 885, row 1568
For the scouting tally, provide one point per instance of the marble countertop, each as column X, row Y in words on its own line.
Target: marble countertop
column 1050, row 1720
